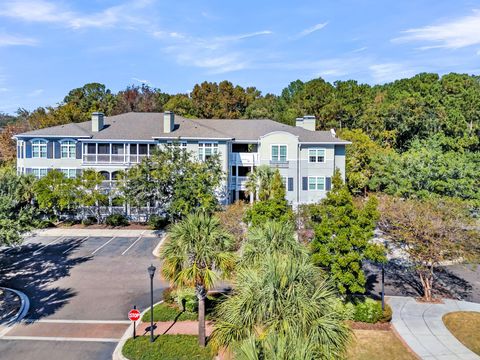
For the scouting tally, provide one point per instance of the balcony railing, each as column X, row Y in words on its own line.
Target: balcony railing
column 243, row 158
column 112, row 159
column 238, row 183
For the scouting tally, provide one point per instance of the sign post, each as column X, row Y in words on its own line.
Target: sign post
column 134, row 315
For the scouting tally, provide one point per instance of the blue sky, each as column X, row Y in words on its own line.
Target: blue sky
column 48, row 47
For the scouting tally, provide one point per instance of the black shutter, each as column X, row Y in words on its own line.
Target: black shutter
column 56, row 145
column 328, row 182
column 290, row 184
column 305, row 183
column 50, row 150
column 79, row 172
column 79, row 150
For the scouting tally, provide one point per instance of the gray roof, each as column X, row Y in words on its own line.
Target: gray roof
column 149, row 126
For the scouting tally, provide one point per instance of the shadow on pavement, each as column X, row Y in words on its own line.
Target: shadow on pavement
column 33, row 273
column 401, row 280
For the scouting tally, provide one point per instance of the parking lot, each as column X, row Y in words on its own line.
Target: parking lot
column 80, row 289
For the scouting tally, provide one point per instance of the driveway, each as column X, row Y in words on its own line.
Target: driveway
column 80, row 288
column 421, row 326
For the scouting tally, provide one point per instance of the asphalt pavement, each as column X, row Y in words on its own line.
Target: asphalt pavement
column 81, row 289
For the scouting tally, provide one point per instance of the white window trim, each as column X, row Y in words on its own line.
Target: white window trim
column 68, row 172
column 316, row 183
column 39, row 170
column 68, row 146
column 271, row 152
column 316, row 155
column 201, row 149
column 39, row 143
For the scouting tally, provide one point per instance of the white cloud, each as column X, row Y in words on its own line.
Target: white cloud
column 14, row 40
column 35, row 93
column 311, row 29
column 3, row 89
column 49, row 12
column 142, row 81
column 216, row 54
column 359, row 49
column 454, row 34
column 386, row 72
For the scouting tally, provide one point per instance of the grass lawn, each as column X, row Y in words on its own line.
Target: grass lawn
column 465, row 326
column 167, row 312
column 166, row 347
column 377, row 344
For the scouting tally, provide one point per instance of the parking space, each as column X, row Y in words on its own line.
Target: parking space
column 80, row 288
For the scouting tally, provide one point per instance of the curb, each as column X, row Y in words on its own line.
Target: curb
column 22, row 312
column 156, row 251
column 117, row 353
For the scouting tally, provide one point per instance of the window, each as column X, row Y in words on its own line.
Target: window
column 91, row 148
column 279, row 153
column 316, row 155
column 39, row 149
column 39, row 173
column 316, row 183
column 69, row 173
column 182, row 144
column 284, row 181
column 68, row 149
column 20, row 149
column 207, row 150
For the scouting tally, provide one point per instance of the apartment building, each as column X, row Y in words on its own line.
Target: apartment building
column 305, row 158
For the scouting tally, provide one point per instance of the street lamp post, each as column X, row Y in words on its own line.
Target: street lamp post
column 151, row 272
column 383, row 287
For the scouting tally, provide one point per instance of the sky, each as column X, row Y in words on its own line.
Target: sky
column 49, row 47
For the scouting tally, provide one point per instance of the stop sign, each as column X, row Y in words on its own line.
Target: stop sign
column 134, row 315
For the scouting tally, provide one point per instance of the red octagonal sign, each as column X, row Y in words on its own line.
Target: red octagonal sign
column 134, row 315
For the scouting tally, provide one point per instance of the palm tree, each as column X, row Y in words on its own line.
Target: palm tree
column 269, row 238
column 197, row 254
column 281, row 301
column 258, row 182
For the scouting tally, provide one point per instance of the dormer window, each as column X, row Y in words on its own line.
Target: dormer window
column 39, row 149
column 68, row 149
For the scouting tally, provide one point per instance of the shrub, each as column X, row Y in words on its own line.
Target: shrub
column 169, row 295
column 368, row 310
column 44, row 224
column 157, row 222
column 116, row 220
column 387, row 314
column 90, row 220
column 186, row 299
column 345, row 310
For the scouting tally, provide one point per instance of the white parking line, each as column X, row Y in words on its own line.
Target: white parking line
column 36, row 252
column 139, row 238
column 45, row 338
column 58, row 321
column 76, row 244
column 93, row 253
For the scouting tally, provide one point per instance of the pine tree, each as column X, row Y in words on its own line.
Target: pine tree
column 342, row 237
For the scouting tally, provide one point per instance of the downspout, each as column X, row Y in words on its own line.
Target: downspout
column 298, row 175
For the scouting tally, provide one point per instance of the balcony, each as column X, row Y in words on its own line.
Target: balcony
column 103, row 159
column 238, row 183
column 239, row 158
column 279, row 163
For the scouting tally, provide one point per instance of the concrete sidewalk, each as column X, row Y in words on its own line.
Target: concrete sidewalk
column 96, row 232
column 422, row 328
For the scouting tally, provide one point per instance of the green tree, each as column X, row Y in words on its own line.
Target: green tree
column 18, row 214
column 197, row 253
column 343, row 235
column 430, row 232
column 55, row 193
column 279, row 303
column 90, row 194
column 91, row 97
column 180, row 104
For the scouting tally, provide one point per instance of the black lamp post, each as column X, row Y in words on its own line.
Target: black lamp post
column 151, row 272
column 383, row 286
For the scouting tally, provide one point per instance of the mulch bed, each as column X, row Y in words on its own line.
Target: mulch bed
column 9, row 305
column 367, row 326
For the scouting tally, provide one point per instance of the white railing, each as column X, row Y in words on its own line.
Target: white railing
column 112, row 159
column 238, row 183
column 243, row 158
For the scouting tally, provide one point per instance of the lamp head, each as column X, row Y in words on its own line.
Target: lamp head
column 151, row 270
